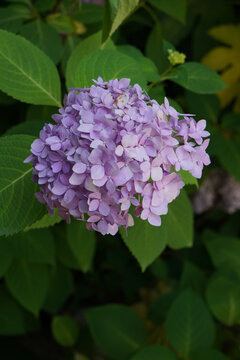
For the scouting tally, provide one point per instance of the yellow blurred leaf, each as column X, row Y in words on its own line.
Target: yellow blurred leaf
column 80, row 28
column 227, row 95
column 228, row 34
column 221, row 57
column 226, row 60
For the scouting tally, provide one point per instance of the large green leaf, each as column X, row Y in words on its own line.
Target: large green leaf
column 159, row 308
column 204, row 106
column 46, row 221
column 146, row 242
column 11, row 19
column 68, row 249
column 196, row 77
column 192, row 277
column 154, row 46
column 115, row 12
column 60, row 287
column 25, row 128
column 149, row 69
column 69, row 46
column 18, row 206
column 90, row 13
column 41, row 113
column 223, row 250
column 178, row 223
column 97, row 64
column 155, row 352
column 44, row 5
column 62, row 23
column 223, row 297
column 84, row 48
column 82, row 243
column 14, row 320
column 189, row 325
column 5, row 255
column 210, row 354
column 45, row 37
column 26, row 73
column 187, row 178
column 230, row 159
column 34, row 246
column 65, row 330
column 174, row 8
column 117, row 329
column 28, row 283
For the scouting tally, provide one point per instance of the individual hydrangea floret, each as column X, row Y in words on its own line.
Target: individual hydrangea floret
column 113, row 148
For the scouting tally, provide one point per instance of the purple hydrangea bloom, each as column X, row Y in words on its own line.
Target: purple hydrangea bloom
column 113, row 147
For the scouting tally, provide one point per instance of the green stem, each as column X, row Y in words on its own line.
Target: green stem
column 162, row 78
column 150, row 11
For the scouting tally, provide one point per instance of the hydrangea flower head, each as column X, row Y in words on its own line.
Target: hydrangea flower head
column 113, row 147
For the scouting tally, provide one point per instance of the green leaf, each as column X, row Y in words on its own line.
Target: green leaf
column 41, row 113
column 46, row 221
column 149, row 70
column 44, row 5
column 230, row 159
column 189, row 325
column 11, row 19
column 25, row 128
column 84, row 48
column 175, row 8
column 223, row 297
column 45, row 37
column 157, row 93
column 154, row 46
column 117, row 330
column 5, row 255
column 210, row 354
column 6, row 100
column 82, row 243
column 34, row 246
column 28, row 283
column 159, row 308
column 204, row 106
column 89, row 14
column 68, row 249
column 115, row 12
column 187, row 178
column 14, row 320
column 155, row 352
column 60, row 287
column 192, row 277
column 69, row 46
column 196, row 77
column 146, row 242
column 223, row 250
column 65, row 330
column 18, row 206
column 64, row 253
column 178, row 223
column 26, row 73
column 97, row 64
column 62, row 23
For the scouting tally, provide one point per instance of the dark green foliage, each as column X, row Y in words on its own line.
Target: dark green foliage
column 169, row 292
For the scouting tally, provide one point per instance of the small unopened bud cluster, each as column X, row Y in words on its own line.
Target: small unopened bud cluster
column 175, row 57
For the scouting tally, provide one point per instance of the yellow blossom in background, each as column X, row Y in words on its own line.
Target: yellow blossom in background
column 226, row 60
column 175, row 57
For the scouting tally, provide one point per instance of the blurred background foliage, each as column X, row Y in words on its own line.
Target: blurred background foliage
column 67, row 293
